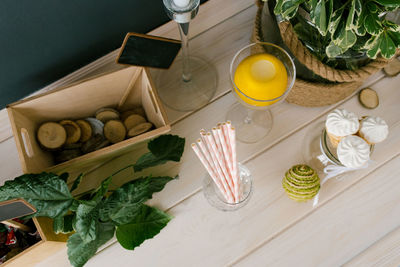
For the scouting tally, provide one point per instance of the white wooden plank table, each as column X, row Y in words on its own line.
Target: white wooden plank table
column 356, row 223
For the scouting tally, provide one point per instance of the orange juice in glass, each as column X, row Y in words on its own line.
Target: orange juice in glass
column 262, row 75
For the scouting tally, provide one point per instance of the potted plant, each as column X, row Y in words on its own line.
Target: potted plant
column 334, row 41
column 93, row 218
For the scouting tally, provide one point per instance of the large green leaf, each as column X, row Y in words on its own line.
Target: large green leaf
column 87, row 220
column 162, row 149
column 148, row 223
column 124, row 203
column 101, row 190
column 45, row 191
column 77, row 181
column 63, row 224
column 79, row 252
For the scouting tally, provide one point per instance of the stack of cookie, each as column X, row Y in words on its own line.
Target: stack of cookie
column 301, row 183
column 352, row 136
column 71, row 138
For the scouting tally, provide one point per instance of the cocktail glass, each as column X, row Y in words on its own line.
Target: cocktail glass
column 252, row 117
column 190, row 82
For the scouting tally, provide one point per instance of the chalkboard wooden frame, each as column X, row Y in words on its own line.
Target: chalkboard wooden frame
column 28, row 206
column 175, row 46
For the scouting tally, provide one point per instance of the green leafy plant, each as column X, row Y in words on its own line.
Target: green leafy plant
column 342, row 25
column 94, row 217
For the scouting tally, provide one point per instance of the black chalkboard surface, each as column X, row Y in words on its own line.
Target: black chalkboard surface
column 148, row 51
column 15, row 208
column 41, row 41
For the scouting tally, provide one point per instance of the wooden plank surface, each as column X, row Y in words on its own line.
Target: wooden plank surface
column 204, row 234
column 200, row 235
column 384, row 252
column 342, row 228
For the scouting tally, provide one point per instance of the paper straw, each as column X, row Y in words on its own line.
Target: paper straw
column 219, row 147
column 209, row 170
column 207, row 154
column 219, row 161
column 229, row 161
column 218, row 167
column 225, row 131
column 232, row 137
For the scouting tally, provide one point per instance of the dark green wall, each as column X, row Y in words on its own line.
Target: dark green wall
column 43, row 40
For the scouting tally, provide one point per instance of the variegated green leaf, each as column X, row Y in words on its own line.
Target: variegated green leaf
column 360, row 28
column 372, row 7
column 350, row 16
column 388, row 3
column 289, row 8
column 333, row 50
column 335, row 19
column 373, row 47
column 372, row 24
column 387, row 46
column 358, row 7
column 391, row 26
column 278, row 7
column 395, row 37
column 346, row 39
column 319, row 18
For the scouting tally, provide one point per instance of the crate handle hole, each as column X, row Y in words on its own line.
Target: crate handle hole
column 152, row 99
column 27, row 142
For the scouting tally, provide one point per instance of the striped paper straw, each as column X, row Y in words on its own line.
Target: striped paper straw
column 209, row 170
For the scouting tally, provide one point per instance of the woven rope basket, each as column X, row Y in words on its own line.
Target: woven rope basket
column 304, row 93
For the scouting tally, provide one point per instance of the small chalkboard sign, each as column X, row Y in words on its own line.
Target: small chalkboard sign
column 15, row 208
column 148, row 51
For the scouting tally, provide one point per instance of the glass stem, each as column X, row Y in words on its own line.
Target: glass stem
column 248, row 119
column 184, row 31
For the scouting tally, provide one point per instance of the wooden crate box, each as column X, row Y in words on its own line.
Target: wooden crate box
column 121, row 89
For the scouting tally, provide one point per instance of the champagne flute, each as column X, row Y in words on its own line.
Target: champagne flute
column 190, row 82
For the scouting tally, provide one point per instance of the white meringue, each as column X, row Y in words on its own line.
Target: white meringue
column 374, row 129
column 341, row 122
column 353, row 151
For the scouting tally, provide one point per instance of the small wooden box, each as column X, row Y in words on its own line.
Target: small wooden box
column 120, row 89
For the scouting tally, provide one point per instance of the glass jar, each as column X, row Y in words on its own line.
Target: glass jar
column 217, row 199
column 318, row 152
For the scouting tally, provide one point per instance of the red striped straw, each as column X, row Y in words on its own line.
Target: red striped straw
column 209, row 170
column 208, row 139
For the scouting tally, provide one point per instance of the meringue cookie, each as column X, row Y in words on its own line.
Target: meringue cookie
column 341, row 122
column 374, row 129
column 353, row 151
